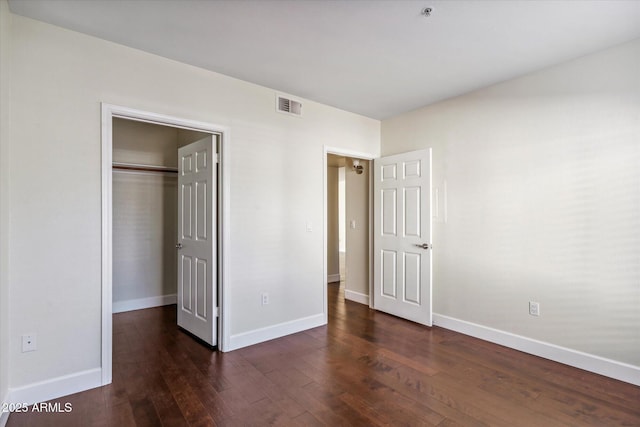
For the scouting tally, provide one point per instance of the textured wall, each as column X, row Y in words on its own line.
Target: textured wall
column 5, row 46
column 357, row 209
column 276, row 188
column 543, row 188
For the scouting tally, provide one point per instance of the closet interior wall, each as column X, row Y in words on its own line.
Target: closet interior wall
column 145, row 213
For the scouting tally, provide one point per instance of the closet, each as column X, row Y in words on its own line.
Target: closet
column 145, row 212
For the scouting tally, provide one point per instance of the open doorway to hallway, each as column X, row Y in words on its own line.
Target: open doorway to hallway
column 348, row 230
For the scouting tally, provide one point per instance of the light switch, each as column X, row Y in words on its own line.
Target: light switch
column 309, row 227
column 29, row 343
column 352, row 224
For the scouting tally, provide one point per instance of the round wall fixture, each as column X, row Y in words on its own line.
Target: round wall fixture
column 427, row 11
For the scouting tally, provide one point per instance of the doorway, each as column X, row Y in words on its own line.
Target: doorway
column 348, row 224
column 188, row 129
column 399, row 191
column 163, row 249
column 145, row 224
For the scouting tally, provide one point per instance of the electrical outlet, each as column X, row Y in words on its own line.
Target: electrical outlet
column 265, row 298
column 29, row 343
column 534, row 308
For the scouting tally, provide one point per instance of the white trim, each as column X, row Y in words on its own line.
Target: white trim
column 4, row 416
column 224, row 233
column 107, row 257
column 56, row 387
column 588, row 362
column 331, row 278
column 371, row 219
column 108, row 113
column 348, row 153
column 356, row 297
column 325, row 236
column 142, row 303
column 276, row 331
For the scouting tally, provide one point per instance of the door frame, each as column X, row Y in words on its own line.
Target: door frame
column 109, row 112
column 359, row 155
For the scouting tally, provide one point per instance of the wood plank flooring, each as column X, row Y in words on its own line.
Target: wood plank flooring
column 363, row 369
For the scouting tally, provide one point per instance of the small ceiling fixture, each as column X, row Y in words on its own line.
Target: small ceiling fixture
column 357, row 167
column 427, row 11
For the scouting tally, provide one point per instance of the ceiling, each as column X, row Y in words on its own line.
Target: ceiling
column 377, row 58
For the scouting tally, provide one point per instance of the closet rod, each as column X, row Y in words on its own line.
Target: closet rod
column 142, row 168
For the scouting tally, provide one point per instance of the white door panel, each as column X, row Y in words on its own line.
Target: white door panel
column 197, row 258
column 402, row 225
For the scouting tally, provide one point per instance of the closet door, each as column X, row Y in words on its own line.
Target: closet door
column 197, row 258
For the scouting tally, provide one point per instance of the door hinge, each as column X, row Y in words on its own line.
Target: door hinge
column 216, row 312
column 217, row 158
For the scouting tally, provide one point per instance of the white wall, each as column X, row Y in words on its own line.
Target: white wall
column 5, row 34
column 342, row 218
column 543, row 179
column 186, row 137
column 276, row 181
column 333, row 258
column 357, row 239
column 144, row 236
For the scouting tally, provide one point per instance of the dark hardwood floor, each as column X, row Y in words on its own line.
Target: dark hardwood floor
column 364, row 369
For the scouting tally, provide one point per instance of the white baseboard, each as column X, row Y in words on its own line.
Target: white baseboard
column 356, row 297
column 141, row 303
column 333, row 278
column 276, row 331
column 588, row 362
column 56, row 387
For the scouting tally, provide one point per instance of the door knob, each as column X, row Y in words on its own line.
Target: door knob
column 424, row 246
column 178, row 245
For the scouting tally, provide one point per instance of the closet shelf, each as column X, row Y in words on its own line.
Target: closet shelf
column 142, row 168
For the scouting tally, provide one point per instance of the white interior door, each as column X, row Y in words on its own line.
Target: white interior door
column 402, row 235
column 197, row 229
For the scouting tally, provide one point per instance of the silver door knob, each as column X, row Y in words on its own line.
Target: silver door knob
column 424, row 246
column 178, row 245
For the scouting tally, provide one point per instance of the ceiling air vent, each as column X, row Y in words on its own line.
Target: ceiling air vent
column 288, row 106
